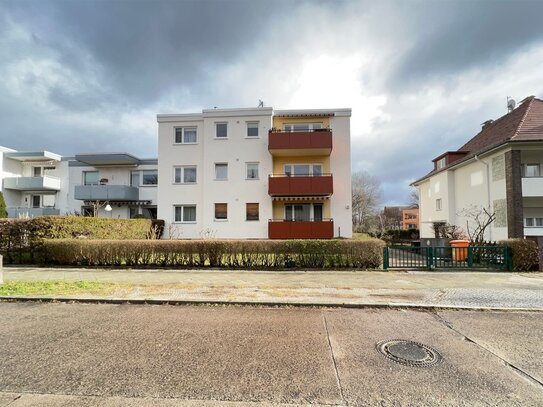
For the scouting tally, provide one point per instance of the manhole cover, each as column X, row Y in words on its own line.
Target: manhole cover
column 409, row 353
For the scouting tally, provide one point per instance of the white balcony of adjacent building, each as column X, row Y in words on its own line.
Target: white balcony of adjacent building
column 26, row 212
column 532, row 187
column 119, row 193
column 43, row 183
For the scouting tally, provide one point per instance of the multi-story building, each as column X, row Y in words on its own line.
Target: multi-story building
column 116, row 185
column 410, row 217
column 498, row 170
column 31, row 182
column 255, row 173
column 44, row 183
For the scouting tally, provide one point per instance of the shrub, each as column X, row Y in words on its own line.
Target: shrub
column 247, row 254
column 3, row 212
column 525, row 253
column 21, row 239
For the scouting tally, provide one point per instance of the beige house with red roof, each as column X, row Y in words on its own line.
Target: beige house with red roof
column 499, row 169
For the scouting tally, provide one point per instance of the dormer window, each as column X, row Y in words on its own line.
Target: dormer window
column 441, row 163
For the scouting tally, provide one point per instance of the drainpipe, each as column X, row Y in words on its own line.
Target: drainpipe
column 487, row 189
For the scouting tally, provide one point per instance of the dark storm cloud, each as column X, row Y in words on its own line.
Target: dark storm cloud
column 455, row 36
column 146, row 48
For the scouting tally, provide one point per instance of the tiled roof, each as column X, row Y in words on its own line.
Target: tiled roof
column 523, row 123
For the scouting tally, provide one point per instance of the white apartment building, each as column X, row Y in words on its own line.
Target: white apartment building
column 498, row 169
column 44, row 183
column 255, row 173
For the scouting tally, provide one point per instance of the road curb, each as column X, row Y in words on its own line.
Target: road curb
column 368, row 305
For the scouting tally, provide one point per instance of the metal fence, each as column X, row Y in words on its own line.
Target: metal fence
column 447, row 257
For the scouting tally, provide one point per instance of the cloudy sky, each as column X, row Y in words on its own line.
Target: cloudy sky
column 420, row 76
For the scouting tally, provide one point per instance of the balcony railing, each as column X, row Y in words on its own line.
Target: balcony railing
column 294, row 229
column 300, row 185
column 106, row 193
column 45, row 183
column 24, row 212
column 308, row 142
column 532, row 187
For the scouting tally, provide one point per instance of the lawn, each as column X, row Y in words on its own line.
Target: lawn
column 29, row 288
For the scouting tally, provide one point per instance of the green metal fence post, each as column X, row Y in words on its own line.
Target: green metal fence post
column 470, row 256
column 429, row 258
column 385, row 258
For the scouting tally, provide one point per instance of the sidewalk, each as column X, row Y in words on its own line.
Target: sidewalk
column 355, row 288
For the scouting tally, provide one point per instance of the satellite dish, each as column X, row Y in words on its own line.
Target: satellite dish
column 511, row 104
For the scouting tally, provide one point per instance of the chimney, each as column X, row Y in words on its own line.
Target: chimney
column 487, row 123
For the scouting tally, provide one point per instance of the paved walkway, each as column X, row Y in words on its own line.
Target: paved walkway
column 464, row 289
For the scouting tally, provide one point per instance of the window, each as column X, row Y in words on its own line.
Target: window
column 90, row 178
column 302, row 127
column 252, row 170
column 36, row 171
column 135, row 178
column 304, row 212
column 221, row 171
column 222, row 130
column 303, row 169
column 533, row 222
column 185, row 135
column 36, row 201
column 530, row 170
column 185, row 175
column 438, row 204
column 221, row 211
column 185, row 213
column 252, row 129
column 441, row 163
column 150, row 177
column 251, row 211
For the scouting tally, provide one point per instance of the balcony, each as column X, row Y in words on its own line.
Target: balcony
column 300, row 143
column 300, row 185
column 532, row 187
column 106, row 193
column 23, row 212
column 45, row 183
column 284, row 229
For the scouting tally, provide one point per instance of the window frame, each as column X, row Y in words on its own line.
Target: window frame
column 142, row 179
column 311, row 172
column 183, row 169
column 525, row 170
column 439, row 204
column 247, row 164
column 183, row 129
column 221, row 179
column 257, row 125
column 183, row 206
column 217, row 124
column 218, row 205
column 91, row 172
column 247, row 217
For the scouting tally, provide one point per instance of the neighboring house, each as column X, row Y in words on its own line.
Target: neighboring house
column 499, row 169
column 255, row 173
column 127, row 183
column 31, row 182
column 410, row 217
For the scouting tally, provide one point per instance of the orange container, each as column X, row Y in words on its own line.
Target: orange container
column 460, row 250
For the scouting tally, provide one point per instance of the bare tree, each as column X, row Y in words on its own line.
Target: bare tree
column 478, row 220
column 366, row 195
column 414, row 197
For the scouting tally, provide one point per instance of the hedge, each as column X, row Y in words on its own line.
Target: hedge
column 246, row 254
column 525, row 253
column 21, row 239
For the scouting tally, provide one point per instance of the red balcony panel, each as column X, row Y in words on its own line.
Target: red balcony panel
column 301, row 140
column 284, row 185
column 278, row 229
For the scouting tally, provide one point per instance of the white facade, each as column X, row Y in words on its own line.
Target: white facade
column 225, row 175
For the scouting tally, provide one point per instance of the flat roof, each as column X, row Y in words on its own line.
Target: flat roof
column 104, row 159
column 33, row 156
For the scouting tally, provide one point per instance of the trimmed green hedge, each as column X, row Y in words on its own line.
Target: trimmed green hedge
column 525, row 253
column 246, row 254
column 21, row 239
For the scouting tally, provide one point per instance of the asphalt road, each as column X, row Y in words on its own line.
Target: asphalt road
column 58, row 354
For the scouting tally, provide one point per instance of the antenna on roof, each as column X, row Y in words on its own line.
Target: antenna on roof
column 511, row 104
column 260, row 103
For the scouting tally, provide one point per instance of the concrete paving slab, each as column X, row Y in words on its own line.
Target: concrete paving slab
column 468, row 375
column 513, row 336
column 57, row 400
column 215, row 353
column 8, row 398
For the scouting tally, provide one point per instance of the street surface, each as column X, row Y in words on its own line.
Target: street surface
column 70, row 354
